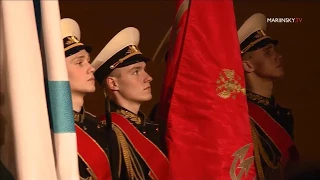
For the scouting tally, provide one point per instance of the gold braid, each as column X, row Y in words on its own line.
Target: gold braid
column 256, row 152
column 137, row 165
column 259, row 150
column 88, row 178
column 133, row 167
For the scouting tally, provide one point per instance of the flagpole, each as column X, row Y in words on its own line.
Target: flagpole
column 33, row 145
column 58, row 93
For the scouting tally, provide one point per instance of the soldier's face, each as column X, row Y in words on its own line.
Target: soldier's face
column 266, row 63
column 80, row 73
column 133, row 83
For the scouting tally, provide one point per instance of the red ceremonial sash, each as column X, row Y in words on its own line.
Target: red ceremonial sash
column 276, row 133
column 150, row 153
column 93, row 155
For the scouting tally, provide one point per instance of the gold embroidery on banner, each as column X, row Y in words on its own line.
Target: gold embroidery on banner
column 244, row 164
column 228, row 84
column 130, row 116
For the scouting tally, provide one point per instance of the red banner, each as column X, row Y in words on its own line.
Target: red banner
column 203, row 100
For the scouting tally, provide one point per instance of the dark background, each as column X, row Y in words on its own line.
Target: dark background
column 298, row 90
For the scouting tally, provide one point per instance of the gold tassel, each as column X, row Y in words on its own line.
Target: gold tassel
column 134, row 169
column 259, row 150
column 256, row 152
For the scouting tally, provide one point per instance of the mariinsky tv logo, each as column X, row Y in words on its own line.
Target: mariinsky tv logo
column 284, row 20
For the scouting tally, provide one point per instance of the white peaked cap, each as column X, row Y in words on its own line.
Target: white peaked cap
column 254, row 23
column 252, row 34
column 126, row 37
column 70, row 27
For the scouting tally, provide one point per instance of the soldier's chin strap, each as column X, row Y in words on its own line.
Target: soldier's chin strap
column 108, row 112
column 108, row 123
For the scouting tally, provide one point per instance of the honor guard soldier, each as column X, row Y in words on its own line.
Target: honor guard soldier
column 91, row 139
column 120, row 69
column 272, row 124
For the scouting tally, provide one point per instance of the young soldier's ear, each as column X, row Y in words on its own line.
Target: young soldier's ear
column 247, row 66
column 111, row 83
column 246, row 63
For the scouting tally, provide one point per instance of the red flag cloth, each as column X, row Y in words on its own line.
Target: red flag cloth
column 203, row 100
